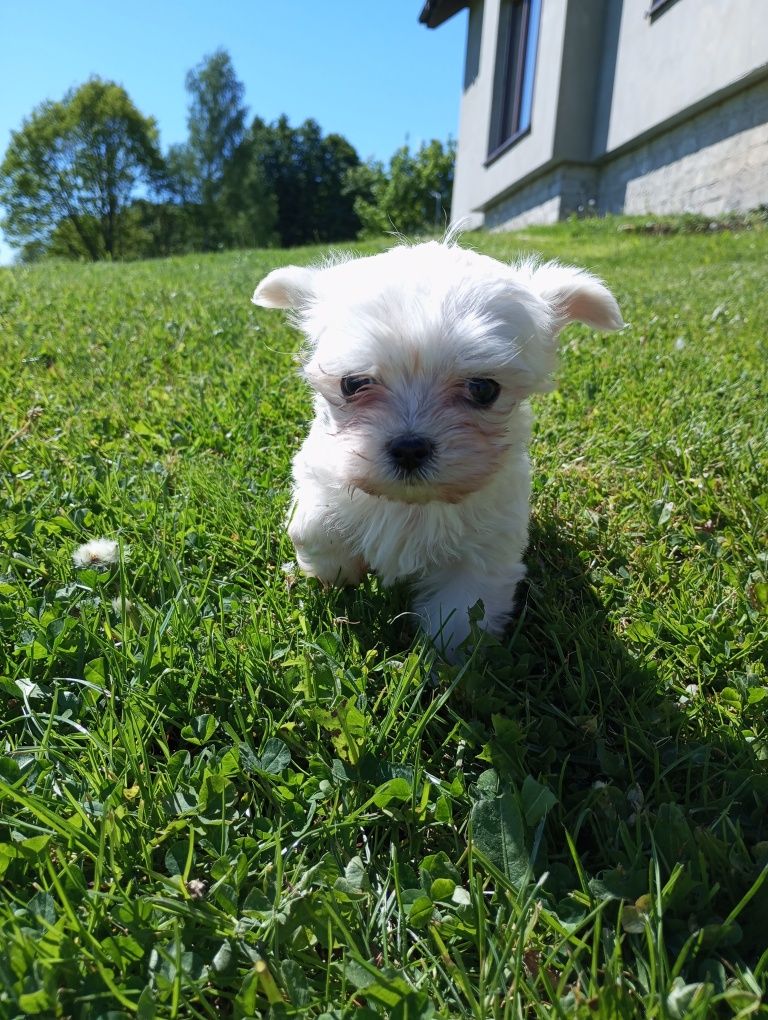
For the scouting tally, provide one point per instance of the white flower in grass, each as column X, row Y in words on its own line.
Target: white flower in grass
column 196, row 888
column 119, row 604
column 691, row 692
column 98, row 554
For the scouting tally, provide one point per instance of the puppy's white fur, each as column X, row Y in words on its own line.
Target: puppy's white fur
column 419, row 322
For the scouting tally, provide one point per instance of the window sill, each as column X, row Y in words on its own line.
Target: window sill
column 506, row 146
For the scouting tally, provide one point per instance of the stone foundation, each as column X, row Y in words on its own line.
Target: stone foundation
column 549, row 198
column 715, row 162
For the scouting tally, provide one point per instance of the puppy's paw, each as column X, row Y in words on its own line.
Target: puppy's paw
column 332, row 573
column 456, row 602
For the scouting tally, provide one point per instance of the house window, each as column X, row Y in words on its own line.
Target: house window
column 515, row 67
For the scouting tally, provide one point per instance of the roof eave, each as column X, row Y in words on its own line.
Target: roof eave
column 435, row 12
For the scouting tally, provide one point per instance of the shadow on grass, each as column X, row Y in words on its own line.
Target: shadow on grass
column 656, row 793
column 649, row 777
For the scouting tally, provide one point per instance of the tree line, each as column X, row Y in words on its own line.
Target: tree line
column 85, row 178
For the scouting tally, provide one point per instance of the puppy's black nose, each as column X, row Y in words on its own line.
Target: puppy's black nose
column 411, row 452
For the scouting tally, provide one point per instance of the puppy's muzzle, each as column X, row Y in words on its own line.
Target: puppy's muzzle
column 410, row 453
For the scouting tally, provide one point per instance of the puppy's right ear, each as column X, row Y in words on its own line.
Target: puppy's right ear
column 574, row 295
column 288, row 287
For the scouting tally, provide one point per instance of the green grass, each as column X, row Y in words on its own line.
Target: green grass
column 224, row 793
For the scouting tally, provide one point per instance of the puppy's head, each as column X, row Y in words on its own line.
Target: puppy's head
column 420, row 357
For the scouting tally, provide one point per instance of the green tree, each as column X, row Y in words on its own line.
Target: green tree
column 412, row 196
column 157, row 229
column 248, row 203
column 71, row 170
column 180, row 180
column 335, row 207
column 216, row 122
column 307, row 171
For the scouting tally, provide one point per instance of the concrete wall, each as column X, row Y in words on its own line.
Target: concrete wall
column 476, row 183
column 716, row 162
column 473, row 117
column 622, row 112
column 690, row 51
column 553, row 196
column 713, row 163
column 589, row 37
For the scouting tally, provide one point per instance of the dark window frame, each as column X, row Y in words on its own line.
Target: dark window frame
column 510, row 143
column 511, row 63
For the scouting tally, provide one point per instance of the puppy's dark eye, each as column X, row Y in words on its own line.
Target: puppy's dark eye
column 482, row 392
column 352, row 384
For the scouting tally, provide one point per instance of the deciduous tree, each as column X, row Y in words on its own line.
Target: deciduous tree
column 216, row 122
column 412, row 196
column 307, row 171
column 72, row 169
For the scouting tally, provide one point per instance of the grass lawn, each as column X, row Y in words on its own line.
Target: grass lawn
column 224, row 792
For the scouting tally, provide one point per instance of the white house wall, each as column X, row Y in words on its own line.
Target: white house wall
column 712, row 163
column 630, row 113
column 690, row 51
column 476, row 184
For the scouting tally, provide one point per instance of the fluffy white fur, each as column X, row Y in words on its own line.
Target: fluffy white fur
column 419, row 322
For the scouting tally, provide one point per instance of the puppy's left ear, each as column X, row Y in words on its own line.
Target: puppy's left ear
column 287, row 287
column 575, row 295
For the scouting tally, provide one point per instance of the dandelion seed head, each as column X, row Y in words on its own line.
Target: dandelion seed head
column 97, row 554
column 119, row 603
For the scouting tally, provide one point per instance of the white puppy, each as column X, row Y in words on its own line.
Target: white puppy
column 416, row 465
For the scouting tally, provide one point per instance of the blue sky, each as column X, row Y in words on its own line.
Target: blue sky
column 364, row 68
